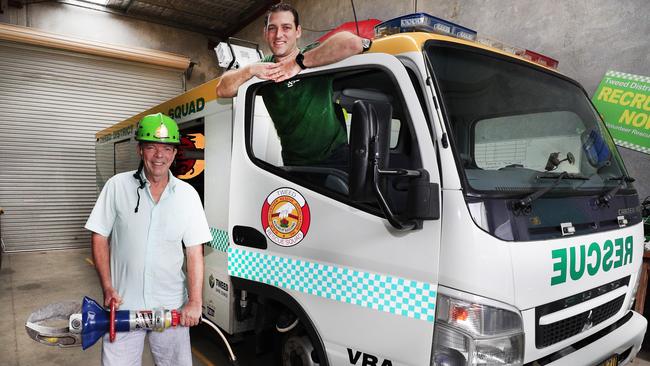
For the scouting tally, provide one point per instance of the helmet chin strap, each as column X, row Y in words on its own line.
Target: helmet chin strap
column 138, row 175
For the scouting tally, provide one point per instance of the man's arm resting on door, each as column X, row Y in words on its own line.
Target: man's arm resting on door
column 336, row 48
column 233, row 79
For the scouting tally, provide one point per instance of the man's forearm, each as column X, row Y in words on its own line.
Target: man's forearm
column 231, row 80
column 336, row 48
column 195, row 273
column 101, row 257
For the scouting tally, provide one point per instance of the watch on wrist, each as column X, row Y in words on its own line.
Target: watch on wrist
column 366, row 44
column 300, row 57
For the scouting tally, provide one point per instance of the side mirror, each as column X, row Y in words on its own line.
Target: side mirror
column 423, row 202
column 369, row 141
column 369, row 153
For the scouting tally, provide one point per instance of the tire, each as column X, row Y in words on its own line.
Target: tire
column 297, row 351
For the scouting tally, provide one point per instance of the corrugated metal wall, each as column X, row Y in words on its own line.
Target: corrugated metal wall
column 52, row 103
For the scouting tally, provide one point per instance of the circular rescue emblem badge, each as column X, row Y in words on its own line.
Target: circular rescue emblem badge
column 285, row 217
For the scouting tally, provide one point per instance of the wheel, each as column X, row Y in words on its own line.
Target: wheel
column 297, row 351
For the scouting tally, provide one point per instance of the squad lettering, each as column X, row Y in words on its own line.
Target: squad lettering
column 574, row 262
column 366, row 359
column 186, row 109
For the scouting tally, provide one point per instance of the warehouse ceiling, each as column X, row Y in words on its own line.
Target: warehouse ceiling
column 221, row 18
column 216, row 18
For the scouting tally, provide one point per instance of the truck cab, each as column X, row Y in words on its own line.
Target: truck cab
column 493, row 213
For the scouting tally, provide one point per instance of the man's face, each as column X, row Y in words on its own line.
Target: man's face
column 157, row 158
column 281, row 33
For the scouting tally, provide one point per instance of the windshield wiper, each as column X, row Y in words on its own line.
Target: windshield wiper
column 603, row 200
column 523, row 205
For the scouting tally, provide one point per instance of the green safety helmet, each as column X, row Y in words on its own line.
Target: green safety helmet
column 158, row 128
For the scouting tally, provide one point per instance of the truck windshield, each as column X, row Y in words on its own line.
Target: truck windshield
column 512, row 123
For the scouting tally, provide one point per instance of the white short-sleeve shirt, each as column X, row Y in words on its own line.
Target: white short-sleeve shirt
column 146, row 247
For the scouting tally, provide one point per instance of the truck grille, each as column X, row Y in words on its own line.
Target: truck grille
column 546, row 335
column 549, row 334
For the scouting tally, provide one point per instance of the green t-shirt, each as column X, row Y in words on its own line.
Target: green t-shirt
column 303, row 114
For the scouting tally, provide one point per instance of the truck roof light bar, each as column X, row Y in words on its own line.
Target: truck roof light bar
column 423, row 22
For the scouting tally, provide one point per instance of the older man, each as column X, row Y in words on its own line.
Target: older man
column 149, row 215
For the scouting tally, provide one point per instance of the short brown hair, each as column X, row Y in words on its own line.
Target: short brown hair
column 282, row 7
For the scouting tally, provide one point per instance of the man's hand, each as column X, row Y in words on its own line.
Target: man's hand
column 110, row 294
column 262, row 70
column 285, row 69
column 233, row 79
column 191, row 313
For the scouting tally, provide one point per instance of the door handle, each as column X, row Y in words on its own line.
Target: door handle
column 248, row 237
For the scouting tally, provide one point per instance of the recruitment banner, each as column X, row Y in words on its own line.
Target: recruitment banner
column 623, row 100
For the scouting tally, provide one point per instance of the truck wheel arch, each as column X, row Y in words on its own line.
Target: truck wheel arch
column 277, row 294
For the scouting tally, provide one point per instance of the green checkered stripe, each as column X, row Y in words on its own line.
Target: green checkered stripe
column 219, row 239
column 632, row 146
column 623, row 75
column 393, row 295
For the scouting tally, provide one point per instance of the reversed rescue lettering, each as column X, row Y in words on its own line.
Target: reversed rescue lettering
column 590, row 259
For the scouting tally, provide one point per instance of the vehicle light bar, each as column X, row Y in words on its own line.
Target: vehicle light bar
column 540, row 59
column 494, row 43
column 423, row 22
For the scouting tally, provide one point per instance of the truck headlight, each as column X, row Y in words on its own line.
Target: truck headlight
column 475, row 334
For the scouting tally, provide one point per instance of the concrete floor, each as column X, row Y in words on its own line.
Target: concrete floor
column 29, row 281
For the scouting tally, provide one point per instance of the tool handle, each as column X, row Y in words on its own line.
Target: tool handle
column 111, row 322
column 176, row 318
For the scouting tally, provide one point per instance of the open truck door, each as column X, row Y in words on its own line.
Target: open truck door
column 343, row 250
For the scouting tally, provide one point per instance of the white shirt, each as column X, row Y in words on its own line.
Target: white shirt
column 145, row 247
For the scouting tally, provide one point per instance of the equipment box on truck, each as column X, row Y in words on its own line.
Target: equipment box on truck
column 486, row 217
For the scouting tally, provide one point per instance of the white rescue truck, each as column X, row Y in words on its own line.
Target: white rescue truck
column 486, row 218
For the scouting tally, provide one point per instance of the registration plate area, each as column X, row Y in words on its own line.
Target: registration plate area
column 611, row 361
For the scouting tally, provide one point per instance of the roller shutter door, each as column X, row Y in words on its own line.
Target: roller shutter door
column 52, row 102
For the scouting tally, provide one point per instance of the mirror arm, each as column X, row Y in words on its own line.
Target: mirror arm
column 401, row 173
column 392, row 219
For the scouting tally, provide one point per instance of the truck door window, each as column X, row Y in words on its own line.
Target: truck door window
column 266, row 147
